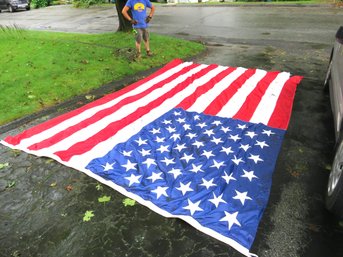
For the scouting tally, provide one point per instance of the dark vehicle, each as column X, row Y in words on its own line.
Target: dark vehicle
column 334, row 81
column 13, row 5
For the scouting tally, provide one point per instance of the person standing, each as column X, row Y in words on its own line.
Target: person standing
column 139, row 21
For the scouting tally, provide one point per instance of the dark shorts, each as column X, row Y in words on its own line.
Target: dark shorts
column 142, row 34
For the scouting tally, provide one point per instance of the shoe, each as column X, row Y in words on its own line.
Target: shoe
column 148, row 53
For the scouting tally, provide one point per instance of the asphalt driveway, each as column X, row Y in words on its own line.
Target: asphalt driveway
column 41, row 215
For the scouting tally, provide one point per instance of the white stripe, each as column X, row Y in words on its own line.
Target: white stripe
column 206, row 99
column 90, row 112
column 267, row 104
column 123, row 135
column 238, row 99
column 124, row 111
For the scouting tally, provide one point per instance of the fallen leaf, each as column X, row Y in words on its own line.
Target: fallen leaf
column 90, row 97
column 69, row 188
column 104, row 199
column 53, row 184
column 4, row 165
column 99, row 187
column 88, row 215
column 129, row 202
column 10, row 184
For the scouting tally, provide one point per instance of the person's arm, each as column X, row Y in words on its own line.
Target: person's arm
column 152, row 11
column 126, row 15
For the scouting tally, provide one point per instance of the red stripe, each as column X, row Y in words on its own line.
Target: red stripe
column 283, row 109
column 105, row 112
column 248, row 108
column 84, row 146
column 189, row 101
column 15, row 140
column 218, row 103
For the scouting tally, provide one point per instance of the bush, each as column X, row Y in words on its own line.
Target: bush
column 86, row 3
column 40, row 3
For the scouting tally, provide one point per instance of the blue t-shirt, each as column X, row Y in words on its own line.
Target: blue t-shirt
column 138, row 10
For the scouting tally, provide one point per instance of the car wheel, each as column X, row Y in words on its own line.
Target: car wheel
column 10, row 8
column 28, row 8
column 334, row 194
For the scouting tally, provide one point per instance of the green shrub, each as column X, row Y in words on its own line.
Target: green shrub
column 40, row 3
column 86, row 3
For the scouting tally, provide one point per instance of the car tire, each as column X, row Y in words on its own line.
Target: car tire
column 10, row 8
column 28, row 8
column 334, row 192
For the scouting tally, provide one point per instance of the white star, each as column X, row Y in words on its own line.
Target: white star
column 241, row 196
column 207, row 183
column 168, row 161
column 217, row 200
column 184, row 188
column 155, row 176
column 141, row 142
column 108, row 166
column 177, row 113
column 180, row 147
column 268, row 132
column 175, row 136
column 187, row 158
column 236, row 161
column 171, row 130
column 187, row 127
column 149, row 162
column 160, row 139
column 239, row 126
column 225, row 129
column 251, row 134
column 191, row 135
column 228, row 178
column 175, row 172
column 155, row 131
column 245, row 147
column 201, row 125
column 217, row 164
column 196, row 117
column 160, row 191
column 235, row 137
column 217, row 122
column 227, row 150
column 261, row 144
column 255, row 158
column 231, row 218
column 165, row 122
column 129, row 165
column 207, row 154
column 198, row 144
column 163, row 148
column 196, row 169
column 209, row 132
column 181, row 120
column 249, row 175
column 216, row 140
column 133, row 179
column 193, row 207
column 144, row 152
column 127, row 154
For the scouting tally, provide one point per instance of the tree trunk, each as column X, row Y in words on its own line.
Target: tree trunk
column 124, row 24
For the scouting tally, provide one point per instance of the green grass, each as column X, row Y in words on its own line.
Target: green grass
column 41, row 69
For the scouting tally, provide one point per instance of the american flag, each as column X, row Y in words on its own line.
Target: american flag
column 192, row 141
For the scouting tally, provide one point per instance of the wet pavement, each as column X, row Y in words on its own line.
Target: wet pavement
column 42, row 203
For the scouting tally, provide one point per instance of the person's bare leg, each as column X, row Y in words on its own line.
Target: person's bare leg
column 147, row 47
column 138, row 48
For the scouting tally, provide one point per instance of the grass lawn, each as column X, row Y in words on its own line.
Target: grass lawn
column 41, row 69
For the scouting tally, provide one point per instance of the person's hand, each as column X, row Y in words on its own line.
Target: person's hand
column 133, row 22
column 148, row 19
